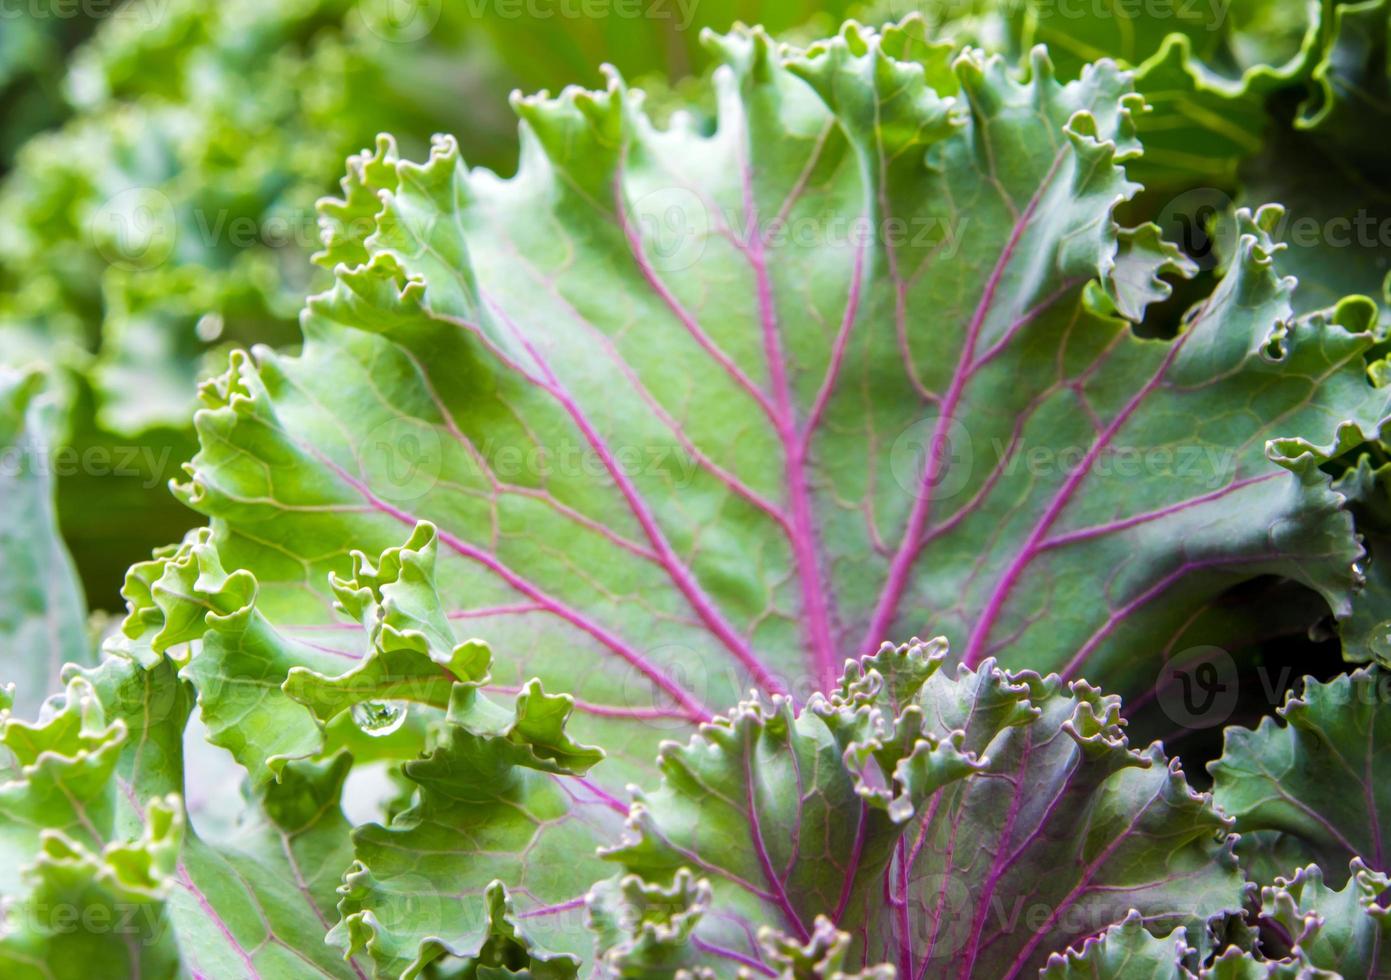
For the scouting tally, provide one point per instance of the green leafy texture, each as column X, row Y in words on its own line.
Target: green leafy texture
column 823, row 954
column 94, row 822
column 497, row 821
column 397, row 604
column 1244, row 44
column 643, row 928
column 103, row 907
column 76, row 894
column 816, row 443
column 493, row 809
column 268, row 697
column 792, row 815
column 1206, row 69
column 954, row 884
column 1317, row 161
column 1310, row 776
column 1367, row 634
column 1200, row 127
column 501, row 794
column 255, row 896
column 174, row 212
column 1251, row 101
column 42, row 614
column 538, row 313
column 1313, row 932
column 64, row 784
column 653, row 38
column 646, row 930
column 241, row 661
column 1343, row 932
column 261, row 901
column 998, row 874
column 1125, row 950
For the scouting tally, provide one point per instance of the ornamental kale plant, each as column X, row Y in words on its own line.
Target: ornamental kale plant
column 560, row 603
column 172, row 216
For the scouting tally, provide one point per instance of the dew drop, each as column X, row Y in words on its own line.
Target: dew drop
column 209, row 327
column 1380, row 641
column 379, row 718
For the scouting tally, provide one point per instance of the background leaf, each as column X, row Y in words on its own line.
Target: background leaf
column 42, row 614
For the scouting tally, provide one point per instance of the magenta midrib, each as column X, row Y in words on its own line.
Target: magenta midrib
column 565, row 510
column 910, row 547
column 732, row 955
column 498, row 485
column 1122, row 524
column 603, row 710
column 1083, row 883
column 823, row 395
column 186, row 882
column 905, row 939
column 909, row 856
column 604, row 797
column 900, row 904
column 683, row 316
column 1329, row 827
column 556, row 909
column 999, row 864
column 975, row 645
column 694, row 859
column 765, row 861
column 696, row 710
column 803, row 531
column 998, row 867
column 206, row 908
column 799, row 526
column 1143, row 599
column 675, row 568
column 805, row 546
column 724, row 476
column 852, row 869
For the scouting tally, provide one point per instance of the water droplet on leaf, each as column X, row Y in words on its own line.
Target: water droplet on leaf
column 379, row 718
column 1380, row 641
column 209, row 327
